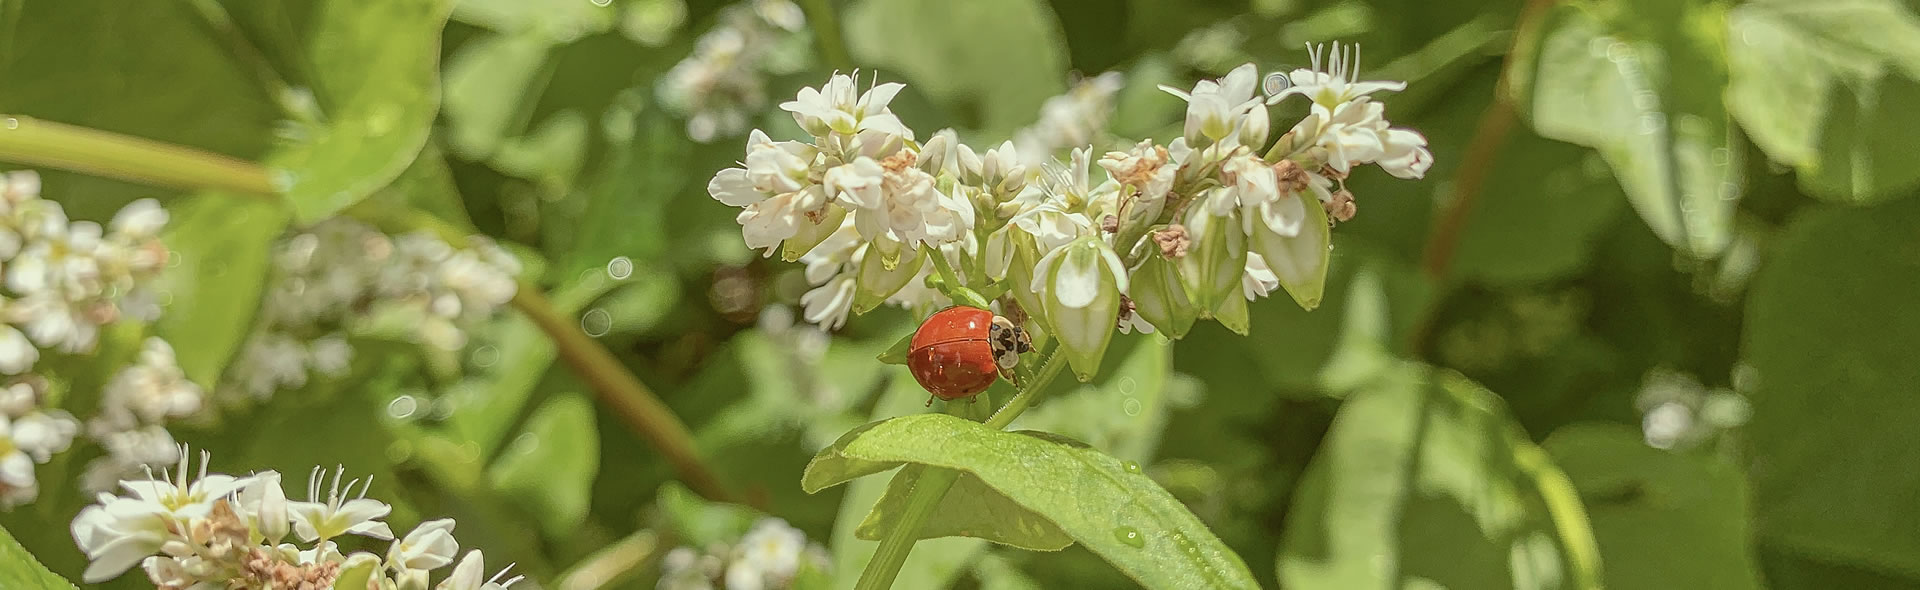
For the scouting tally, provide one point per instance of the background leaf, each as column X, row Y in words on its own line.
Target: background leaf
column 939, row 46
column 223, row 246
column 19, row 570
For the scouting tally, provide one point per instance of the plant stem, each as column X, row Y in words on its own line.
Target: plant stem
column 78, row 149
column 933, row 483
column 1488, row 137
column 826, row 34
column 950, row 282
column 620, row 391
column 33, row 142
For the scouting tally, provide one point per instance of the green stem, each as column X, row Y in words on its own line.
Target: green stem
column 933, row 483
column 33, row 142
column 78, row 149
column 826, row 32
column 950, row 282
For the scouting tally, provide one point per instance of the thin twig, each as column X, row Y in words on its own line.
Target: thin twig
column 826, row 33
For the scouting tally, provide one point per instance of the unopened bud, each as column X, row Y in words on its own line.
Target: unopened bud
column 1109, row 224
column 1341, row 207
column 1293, row 178
column 1173, row 241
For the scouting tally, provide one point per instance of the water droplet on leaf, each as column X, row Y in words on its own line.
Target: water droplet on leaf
column 1131, row 467
column 1131, row 536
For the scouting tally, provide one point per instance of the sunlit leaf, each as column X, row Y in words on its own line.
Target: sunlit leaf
column 1640, row 81
column 19, row 570
column 377, row 64
column 1825, row 87
column 1424, row 481
column 1098, row 500
column 223, row 245
column 970, row 509
column 551, row 465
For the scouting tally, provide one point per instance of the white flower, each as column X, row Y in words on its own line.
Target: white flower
column 40, row 435
column 266, row 503
column 338, row 514
column 466, row 575
column 120, row 531
column 1254, row 182
column 129, row 453
column 1217, row 109
column 1336, row 83
column 1145, row 167
column 1259, row 280
column 839, row 107
column 777, row 167
column 140, row 219
column 17, row 354
column 1048, row 225
column 768, row 556
column 1079, row 285
column 428, row 546
column 55, row 322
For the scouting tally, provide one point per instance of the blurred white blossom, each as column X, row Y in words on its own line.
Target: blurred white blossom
column 721, row 85
column 768, row 557
column 1074, row 119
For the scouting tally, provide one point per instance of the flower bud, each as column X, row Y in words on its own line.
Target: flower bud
column 876, row 282
column 357, row 571
column 271, row 512
column 812, row 233
column 429, row 546
column 1300, row 260
column 1218, row 255
column 1160, row 297
column 1254, row 127
column 469, row 575
column 934, row 153
column 968, row 165
column 1080, row 286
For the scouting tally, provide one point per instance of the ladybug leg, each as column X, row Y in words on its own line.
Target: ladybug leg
column 930, row 401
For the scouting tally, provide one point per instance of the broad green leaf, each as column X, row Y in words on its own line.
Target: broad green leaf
column 377, row 64
column 550, row 466
column 1544, row 206
column 1640, row 81
column 970, row 509
column 148, row 69
column 19, row 570
column 1831, row 345
column 644, row 169
column 559, row 20
column 934, row 563
column 517, row 355
column 1662, row 519
column 1827, row 87
column 488, row 80
column 550, row 155
column 996, row 60
column 1117, row 512
column 1424, row 481
column 222, row 245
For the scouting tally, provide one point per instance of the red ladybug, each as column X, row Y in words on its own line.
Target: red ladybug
column 959, row 351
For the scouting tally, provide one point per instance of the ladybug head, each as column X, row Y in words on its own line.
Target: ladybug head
column 1007, row 341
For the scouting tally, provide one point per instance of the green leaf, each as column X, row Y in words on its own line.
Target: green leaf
column 1543, row 208
column 970, row 509
column 223, row 246
column 377, row 64
column 488, row 80
column 1640, row 81
column 559, row 20
column 550, row 467
column 933, row 563
column 1826, row 87
column 18, row 569
column 1424, row 481
column 1832, row 350
column 995, row 59
column 897, row 354
column 1125, row 406
column 1662, row 519
column 1117, row 512
column 148, row 69
column 701, row 523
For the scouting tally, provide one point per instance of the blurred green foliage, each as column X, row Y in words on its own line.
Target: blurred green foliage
column 1715, row 188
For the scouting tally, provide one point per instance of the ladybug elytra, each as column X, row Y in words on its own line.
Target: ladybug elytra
column 959, row 351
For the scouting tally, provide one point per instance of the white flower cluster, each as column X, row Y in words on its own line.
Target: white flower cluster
column 64, row 279
column 29, row 435
column 1074, row 119
column 341, row 271
column 135, row 407
column 768, row 557
column 1678, row 412
column 1192, row 229
column 722, row 82
column 203, row 530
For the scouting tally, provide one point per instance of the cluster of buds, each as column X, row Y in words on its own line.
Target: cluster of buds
column 768, row 557
column 722, row 82
column 341, row 272
column 211, row 530
column 1169, row 234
